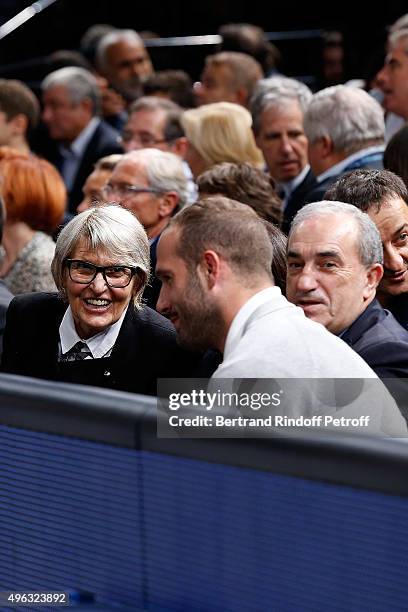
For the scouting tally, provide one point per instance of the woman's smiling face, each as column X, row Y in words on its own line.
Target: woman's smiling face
column 96, row 306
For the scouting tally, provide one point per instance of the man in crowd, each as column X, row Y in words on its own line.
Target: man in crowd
column 155, row 123
column 122, row 59
column 384, row 197
column 394, row 76
column 152, row 184
column 345, row 129
column 334, row 267
column 278, row 109
column 214, row 261
column 77, row 137
column 228, row 76
column 19, row 114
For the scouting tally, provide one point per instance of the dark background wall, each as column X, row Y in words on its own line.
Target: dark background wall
column 62, row 24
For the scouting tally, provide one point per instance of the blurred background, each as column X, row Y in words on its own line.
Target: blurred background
column 61, row 25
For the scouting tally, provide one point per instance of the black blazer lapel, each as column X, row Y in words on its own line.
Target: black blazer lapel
column 297, row 200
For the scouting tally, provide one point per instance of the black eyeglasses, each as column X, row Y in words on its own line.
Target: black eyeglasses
column 123, row 189
column 84, row 273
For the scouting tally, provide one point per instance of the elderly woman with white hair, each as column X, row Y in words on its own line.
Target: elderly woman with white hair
column 95, row 331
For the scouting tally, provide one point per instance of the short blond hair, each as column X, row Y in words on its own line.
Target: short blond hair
column 221, row 132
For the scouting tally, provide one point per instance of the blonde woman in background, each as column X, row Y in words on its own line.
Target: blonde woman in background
column 219, row 132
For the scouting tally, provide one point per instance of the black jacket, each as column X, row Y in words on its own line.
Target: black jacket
column 145, row 349
column 105, row 141
column 380, row 340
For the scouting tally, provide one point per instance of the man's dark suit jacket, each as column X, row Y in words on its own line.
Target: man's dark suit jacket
column 297, row 199
column 312, row 191
column 380, row 340
column 105, row 141
column 145, row 350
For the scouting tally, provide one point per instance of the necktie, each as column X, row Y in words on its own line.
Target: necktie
column 78, row 352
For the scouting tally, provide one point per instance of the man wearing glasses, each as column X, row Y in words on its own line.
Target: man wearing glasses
column 155, row 123
column 151, row 183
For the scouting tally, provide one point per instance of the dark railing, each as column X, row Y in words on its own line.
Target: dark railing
column 94, row 503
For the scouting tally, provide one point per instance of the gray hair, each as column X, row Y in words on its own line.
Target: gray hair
column 349, row 116
column 153, row 103
column 112, row 38
column 108, row 228
column 172, row 129
column 79, row 83
column 277, row 91
column 164, row 171
column 368, row 240
column 399, row 34
column 400, row 24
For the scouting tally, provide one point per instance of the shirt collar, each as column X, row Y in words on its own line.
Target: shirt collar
column 238, row 325
column 99, row 345
column 342, row 165
column 289, row 186
column 78, row 146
